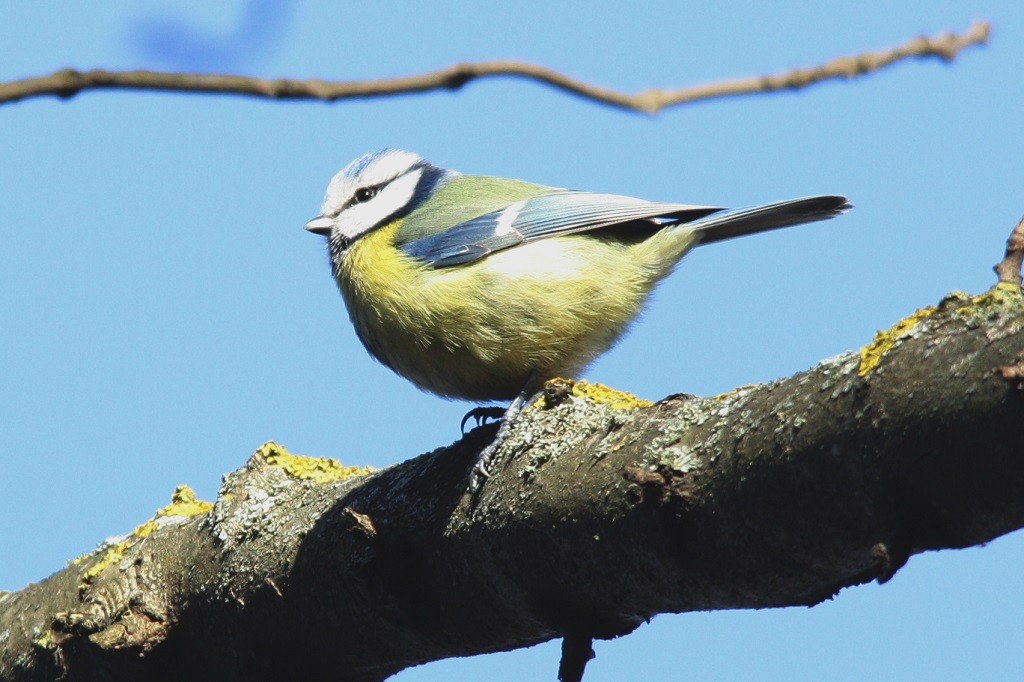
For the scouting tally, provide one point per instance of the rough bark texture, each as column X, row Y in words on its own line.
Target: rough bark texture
column 599, row 515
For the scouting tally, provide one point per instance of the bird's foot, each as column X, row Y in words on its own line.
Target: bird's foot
column 481, row 415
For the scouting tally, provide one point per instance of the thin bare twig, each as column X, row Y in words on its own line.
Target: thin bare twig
column 1008, row 269
column 69, row 82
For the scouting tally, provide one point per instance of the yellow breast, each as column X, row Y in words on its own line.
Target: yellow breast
column 481, row 331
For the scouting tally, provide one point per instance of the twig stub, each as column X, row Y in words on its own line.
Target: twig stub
column 1009, row 269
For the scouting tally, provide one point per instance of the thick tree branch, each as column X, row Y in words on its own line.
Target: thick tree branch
column 69, row 82
column 599, row 515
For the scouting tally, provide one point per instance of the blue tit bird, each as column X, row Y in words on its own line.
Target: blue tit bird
column 482, row 288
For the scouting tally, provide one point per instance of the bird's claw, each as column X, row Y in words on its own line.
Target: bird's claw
column 482, row 415
column 479, row 475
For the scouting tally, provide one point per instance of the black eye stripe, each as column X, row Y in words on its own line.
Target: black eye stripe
column 364, row 194
column 361, row 195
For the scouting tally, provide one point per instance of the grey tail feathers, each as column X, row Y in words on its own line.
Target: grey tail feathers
column 737, row 222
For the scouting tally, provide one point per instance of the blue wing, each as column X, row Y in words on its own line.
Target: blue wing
column 559, row 213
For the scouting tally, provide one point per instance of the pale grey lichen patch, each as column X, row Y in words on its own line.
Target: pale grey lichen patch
column 838, row 365
column 963, row 362
column 579, row 419
column 836, row 374
column 671, row 448
column 264, row 510
column 681, row 458
column 169, row 521
column 237, row 517
column 545, row 434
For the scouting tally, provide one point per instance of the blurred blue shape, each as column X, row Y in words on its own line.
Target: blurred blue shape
column 179, row 44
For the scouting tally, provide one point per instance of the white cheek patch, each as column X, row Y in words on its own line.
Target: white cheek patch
column 357, row 219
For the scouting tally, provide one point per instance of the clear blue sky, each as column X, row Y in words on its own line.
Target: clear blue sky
column 162, row 312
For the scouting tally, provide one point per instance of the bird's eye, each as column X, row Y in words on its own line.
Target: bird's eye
column 364, row 194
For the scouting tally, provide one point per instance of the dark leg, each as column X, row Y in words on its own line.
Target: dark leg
column 480, row 473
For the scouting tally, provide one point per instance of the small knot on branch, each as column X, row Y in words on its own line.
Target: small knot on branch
column 68, row 83
column 458, row 75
